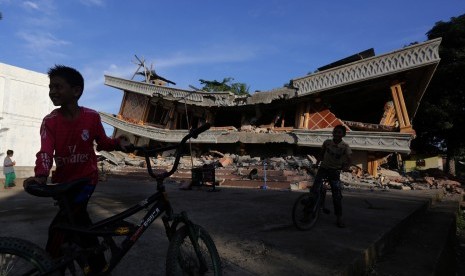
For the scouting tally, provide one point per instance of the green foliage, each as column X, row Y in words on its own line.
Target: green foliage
column 440, row 118
column 237, row 88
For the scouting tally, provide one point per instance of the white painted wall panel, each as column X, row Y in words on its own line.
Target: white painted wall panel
column 24, row 102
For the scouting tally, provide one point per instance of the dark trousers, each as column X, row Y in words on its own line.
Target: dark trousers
column 333, row 176
column 76, row 201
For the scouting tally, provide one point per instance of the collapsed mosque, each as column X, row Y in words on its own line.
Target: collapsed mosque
column 374, row 96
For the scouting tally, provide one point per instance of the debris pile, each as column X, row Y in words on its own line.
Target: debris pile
column 391, row 179
column 294, row 171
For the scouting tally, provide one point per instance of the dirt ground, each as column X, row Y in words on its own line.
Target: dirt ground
column 252, row 228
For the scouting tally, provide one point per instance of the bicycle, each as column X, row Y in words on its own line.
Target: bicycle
column 306, row 209
column 191, row 249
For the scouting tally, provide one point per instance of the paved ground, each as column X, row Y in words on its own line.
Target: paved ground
column 252, row 228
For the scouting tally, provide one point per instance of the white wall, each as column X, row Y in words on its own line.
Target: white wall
column 24, row 102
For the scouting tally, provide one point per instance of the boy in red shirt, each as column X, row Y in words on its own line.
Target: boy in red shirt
column 67, row 135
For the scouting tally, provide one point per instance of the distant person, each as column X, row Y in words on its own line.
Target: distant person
column 335, row 156
column 67, row 136
column 9, row 170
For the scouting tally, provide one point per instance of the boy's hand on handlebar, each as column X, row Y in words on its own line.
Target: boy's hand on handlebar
column 125, row 145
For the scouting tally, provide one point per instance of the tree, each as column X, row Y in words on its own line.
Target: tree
column 237, row 88
column 440, row 118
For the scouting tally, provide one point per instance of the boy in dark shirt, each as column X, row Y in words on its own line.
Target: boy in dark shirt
column 335, row 156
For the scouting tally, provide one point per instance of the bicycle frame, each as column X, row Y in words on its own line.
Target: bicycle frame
column 116, row 225
column 321, row 194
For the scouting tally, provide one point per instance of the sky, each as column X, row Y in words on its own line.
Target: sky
column 262, row 43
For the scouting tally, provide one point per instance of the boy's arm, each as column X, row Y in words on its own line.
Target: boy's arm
column 348, row 159
column 44, row 158
column 321, row 154
column 106, row 143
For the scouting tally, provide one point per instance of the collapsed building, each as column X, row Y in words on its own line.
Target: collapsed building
column 374, row 96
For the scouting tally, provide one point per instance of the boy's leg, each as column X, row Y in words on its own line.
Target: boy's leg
column 56, row 238
column 336, row 191
column 96, row 262
column 81, row 217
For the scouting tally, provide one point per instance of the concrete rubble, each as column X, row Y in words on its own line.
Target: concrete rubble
column 291, row 172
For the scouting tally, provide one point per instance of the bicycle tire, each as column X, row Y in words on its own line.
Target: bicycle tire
column 303, row 217
column 21, row 257
column 181, row 258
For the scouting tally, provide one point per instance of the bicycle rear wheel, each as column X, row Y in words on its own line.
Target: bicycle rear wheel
column 21, row 257
column 182, row 259
column 304, row 215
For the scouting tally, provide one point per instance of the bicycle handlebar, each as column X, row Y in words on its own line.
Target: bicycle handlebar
column 193, row 133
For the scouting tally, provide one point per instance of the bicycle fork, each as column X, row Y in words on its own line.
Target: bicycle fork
column 319, row 202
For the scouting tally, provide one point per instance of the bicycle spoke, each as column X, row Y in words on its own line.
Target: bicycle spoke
column 184, row 259
column 190, row 261
column 15, row 265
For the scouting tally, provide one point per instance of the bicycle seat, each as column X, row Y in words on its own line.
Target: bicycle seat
column 53, row 190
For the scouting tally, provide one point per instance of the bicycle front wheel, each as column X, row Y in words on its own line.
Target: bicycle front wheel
column 182, row 258
column 21, row 257
column 304, row 215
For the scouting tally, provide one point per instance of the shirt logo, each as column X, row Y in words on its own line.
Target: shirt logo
column 85, row 135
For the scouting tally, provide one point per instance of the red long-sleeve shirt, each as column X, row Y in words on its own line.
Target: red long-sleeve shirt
column 71, row 144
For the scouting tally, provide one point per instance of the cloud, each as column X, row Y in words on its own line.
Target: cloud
column 120, row 71
column 41, row 41
column 95, row 75
column 215, row 54
column 99, row 3
column 96, row 95
column 44, row 6
column 30, row 5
